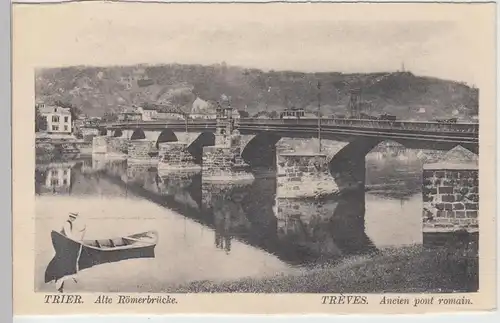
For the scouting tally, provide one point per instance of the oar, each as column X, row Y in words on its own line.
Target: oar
column 79, row 253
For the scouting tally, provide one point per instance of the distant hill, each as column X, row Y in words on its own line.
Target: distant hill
column 96, row 90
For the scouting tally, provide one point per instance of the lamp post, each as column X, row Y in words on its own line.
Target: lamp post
column 319, row 117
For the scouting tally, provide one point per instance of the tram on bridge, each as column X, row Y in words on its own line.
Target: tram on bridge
column 296, row 113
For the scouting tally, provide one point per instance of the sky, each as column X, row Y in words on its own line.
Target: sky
column 445, row 41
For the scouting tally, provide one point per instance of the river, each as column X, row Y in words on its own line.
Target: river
column 220, row 232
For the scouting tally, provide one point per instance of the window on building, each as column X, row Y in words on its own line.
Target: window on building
column 55, row 128
column 65, row 182
column 66, row 119
column 65, row 128
column 55, row 119
column 65, row 172
column 54, row 182
column 54, row 172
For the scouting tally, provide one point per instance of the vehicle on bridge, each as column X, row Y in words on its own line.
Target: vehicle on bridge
column 452, row 120
column 296, row 113
column 364, row 116
column 386, row 116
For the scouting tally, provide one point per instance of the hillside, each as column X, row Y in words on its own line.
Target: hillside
column 97, row 90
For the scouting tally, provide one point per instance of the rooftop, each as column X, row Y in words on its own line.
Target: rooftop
column 54, row 109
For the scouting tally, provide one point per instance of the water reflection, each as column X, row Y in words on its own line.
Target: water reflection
column 324, row 228
column 297, row 231
column 242, row 211
column 54, row 178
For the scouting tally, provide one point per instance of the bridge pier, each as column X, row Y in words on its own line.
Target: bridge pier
column 142, row 151
column 450, row 196
column 175, row 156
column 303, row 175
column 339, row 168
column 185, row 154
column 111, row 146
column 223, row 162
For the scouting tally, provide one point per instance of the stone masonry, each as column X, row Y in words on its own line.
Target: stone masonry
column 141, row 149
column 109, row 145
column 450, row 198
column 303, row 175
column 175, row 156
column 223, row 163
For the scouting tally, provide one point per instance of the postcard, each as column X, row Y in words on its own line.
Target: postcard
column 278, row 158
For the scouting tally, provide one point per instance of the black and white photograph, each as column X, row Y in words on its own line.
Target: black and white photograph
column 228, row 149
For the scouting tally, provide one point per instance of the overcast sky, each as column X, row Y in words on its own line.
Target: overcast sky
column 436, row 41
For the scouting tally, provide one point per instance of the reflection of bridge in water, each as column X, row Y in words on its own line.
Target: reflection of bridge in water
column 296, row 230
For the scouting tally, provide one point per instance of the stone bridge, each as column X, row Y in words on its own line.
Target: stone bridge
column 222, row 151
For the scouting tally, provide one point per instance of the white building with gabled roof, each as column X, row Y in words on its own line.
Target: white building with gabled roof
column 58, row 119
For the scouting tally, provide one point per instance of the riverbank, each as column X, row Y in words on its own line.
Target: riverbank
column 47, row 150
column 411, row 269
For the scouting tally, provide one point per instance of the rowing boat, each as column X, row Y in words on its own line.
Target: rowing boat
column 96, row 252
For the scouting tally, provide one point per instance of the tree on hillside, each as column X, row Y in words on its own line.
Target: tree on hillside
column 273, row 114
column 40, row 121
column 180, row 98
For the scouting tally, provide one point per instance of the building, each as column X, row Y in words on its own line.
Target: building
column 202, row 109
column 129, row 114
column 79, row 122
column 58, row 119
column 207, row 116
column 92, row 122
column 237, row 114
column 293, row 113
column 148, row 112
column 263, row 115
column 169, row 116
column 89, row 132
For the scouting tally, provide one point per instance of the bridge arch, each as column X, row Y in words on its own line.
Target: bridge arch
column 117, row 133
column 167, row 135
column 138, row 134
column 347, row 165
column 195, row 148
column 260, row 151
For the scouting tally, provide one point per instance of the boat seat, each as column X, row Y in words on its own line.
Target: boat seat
column 118, row 242
column 106, row 243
